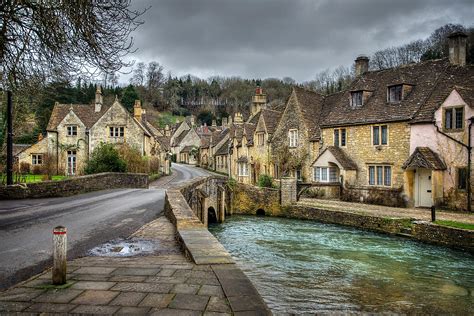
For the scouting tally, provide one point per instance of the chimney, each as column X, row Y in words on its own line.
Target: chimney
column 98, row 99
column 224, row 121
column 192, row 120
column 137, row 110
column 361, row 65
column 230, row 120
column 457, row 48
column 40, row 137
column 238, row 119
column 259, row 101
column 214, row 123
column 167, row 130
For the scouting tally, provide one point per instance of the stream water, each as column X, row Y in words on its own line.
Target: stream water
column 308, row 267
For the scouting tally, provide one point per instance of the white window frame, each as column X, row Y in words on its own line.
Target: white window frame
column 37, row 159
column 71, row 162
column 324, row 174
column 293, row 138
column 243, row 169
column 379, row 135
column 71, row 130
column 261, row 139
column 377, row 181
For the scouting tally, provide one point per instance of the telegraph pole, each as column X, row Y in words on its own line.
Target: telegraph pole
column 9, row 138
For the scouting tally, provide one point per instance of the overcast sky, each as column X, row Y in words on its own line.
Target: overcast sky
column 282, row 38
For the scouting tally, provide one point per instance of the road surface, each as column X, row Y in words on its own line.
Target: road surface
column 91, row 219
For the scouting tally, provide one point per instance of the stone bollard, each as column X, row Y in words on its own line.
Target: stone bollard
column 59, row 255
column 433, row 214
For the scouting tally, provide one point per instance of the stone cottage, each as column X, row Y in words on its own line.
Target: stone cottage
column 75, row 130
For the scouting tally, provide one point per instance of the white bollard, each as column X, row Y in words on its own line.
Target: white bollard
column 59, row 255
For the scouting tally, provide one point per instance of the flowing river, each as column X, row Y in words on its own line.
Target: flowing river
column 308, row 267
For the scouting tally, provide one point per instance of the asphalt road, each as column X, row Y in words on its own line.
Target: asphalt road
column 91, row 219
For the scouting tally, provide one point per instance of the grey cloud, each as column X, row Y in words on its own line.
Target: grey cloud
column 277, row 38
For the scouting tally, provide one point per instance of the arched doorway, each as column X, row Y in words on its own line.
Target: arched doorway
column 211, row 215
column 260, row 212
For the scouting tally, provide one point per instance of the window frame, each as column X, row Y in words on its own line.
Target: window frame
column 260, row 139
column 116, row 132
column 243, row 169
column 453, row 121
column 293, row 141
column 71, row 130
column 326, row 170
column 379, row 135
column 340, row 132
column 389, row 94
column 359, row 96
column 376, row 181
column 36, row 159
column 458, row 178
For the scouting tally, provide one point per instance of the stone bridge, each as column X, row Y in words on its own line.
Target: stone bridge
column 209, row 198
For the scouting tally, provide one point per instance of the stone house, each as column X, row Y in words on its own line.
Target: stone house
column 380, row 137
column 436, row 173
column 241, row 165
column 297, row 134
column 75, row 130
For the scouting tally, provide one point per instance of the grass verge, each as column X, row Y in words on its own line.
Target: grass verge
column 455, row 224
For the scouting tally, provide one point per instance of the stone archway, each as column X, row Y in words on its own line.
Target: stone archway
column 260, row 212
column 211, row 215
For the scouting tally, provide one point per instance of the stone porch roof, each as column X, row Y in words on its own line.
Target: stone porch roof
column 424, row 157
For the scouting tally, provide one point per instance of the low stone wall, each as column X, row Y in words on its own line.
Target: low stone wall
column 377, row 224
column 76, row 185
column 248, row 199
column 419, row 230
column 330, row 191
column 380, row 196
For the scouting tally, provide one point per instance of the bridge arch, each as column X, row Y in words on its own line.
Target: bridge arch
column 211, row 215
column 260, row 212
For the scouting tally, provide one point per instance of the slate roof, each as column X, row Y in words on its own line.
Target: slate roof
column 18, row 148
column 311, row 105
column 164, row 141
column 224, row 149
column 180, row 137
column 271, row 118
column 85, row 112
column 422, row 76
column 456, row 78
column 424, row 157
column 346, row 162
column 187, row 149
column 205, row 141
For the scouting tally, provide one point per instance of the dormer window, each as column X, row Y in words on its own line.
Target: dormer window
column 454, row 118
column 357, row 98
column 395, row 93
column 293, row 137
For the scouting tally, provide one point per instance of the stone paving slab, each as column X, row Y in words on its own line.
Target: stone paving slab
column 162, row 284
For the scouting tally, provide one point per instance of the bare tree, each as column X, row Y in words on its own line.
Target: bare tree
column 43, row 39
column 138, row 77
column 154, row 81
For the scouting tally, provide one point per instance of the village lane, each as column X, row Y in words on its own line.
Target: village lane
column 91, row 219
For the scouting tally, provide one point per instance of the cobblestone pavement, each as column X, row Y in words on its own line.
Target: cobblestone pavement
column 386, row 211
column 164, row 283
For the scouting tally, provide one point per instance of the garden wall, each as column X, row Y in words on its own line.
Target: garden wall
column 76, row 185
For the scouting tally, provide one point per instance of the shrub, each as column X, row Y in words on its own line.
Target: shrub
column 154, row 165
column 50, row 165
column 25, row 167
column 37, row 170
column 134, row 160
column 105, row 158
column 265, row 181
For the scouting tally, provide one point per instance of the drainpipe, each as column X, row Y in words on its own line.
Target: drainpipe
column 469, row 149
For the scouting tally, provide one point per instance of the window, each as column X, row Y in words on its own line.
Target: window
column 117, row 131
column 462, row 178
column 325, row 174
column 454, row 118
column 243, row 169
column 340, row 137
column 260, row 139
column 36, row 159
column 293, row 136
column 71, row 162
column 356, row 98
column 395, row 93
column 380, row 175
column 72, row 130
column 380, row 135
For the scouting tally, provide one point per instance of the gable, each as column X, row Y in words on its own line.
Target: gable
column 71, row 119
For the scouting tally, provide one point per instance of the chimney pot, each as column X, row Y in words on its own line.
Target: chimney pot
column 361, row 65
column 98, row 99
column 137, row 110
column 457, row 48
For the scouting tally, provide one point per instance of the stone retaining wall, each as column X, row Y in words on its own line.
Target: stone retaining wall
column 419, row 230
column 247, row 199
column 76, row 185
column 382, row 196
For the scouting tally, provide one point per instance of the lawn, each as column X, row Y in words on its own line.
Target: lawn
column 455, row 224
column 30, row 178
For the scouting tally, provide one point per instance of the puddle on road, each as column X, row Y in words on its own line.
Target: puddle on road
column 127, row 248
